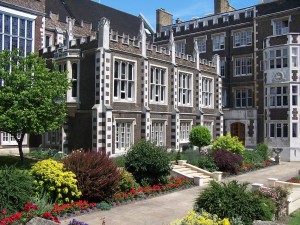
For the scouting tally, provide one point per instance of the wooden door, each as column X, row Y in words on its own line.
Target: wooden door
column 238, row 129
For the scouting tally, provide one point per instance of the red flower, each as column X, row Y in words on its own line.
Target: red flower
column 4, row 212
column 29, row 206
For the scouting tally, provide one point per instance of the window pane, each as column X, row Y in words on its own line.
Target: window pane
column 29, row 29
column 278, row 130
column 22, row 28
column 272, row 130
column 7, row 24
column 14, row 26
column 295, row 130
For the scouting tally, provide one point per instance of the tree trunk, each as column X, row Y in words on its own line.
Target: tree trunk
column 20, row 141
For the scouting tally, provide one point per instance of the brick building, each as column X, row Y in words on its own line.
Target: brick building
column 259, row 65
column 129, row 89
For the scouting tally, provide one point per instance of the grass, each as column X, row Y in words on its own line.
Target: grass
column 295, row 218
column 15, row 160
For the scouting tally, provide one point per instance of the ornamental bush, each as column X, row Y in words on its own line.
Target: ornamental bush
column 126, row 182
column 231, row 143
column 52, row 178
column 252, row 157
column 16, row 189
column 232, row 200
column 97, row 175
column 264, row 151
column 199, row 218
column 227, row 161
column 206, row 162
column 200, row 136
column 148, row 163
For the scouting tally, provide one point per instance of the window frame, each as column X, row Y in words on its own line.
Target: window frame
column 243, row 66
column 13, row 37
column 218, row 40
column 279, row 130
column 278, row 28
column 161, row 68
column 208, row 93
column 185, row 88
column 201, row 47
column 182, row 46
column 128, row 123
column 247, row 98
column 244, row 38
column 274, row 59
column 274, row 96
column 119, row 98
column 161, row 126
column 185, row 133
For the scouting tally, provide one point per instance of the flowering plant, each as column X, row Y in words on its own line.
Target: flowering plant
column 76, row 222
column 295, row 179
column 29, row 211
column 71, row 207
column 173, row 183
column 278, row 195
column 201, row 218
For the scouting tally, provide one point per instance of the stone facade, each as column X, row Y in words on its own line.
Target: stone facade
column 162, row 100
column 244, row 39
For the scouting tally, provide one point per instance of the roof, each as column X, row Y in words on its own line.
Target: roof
column 92, row 12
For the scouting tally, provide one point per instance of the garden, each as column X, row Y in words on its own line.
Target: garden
column 53, row 187
column 82, row 182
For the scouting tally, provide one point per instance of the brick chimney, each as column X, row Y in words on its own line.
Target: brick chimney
column 222, row 6
column 163, row 18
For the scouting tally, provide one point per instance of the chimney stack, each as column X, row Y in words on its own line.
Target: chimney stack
column 163, row 18
column 222, row 6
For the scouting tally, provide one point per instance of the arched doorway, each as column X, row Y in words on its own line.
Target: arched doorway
column 238, row 129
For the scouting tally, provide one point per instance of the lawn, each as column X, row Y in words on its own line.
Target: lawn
column 15, row 160
column 295, row 218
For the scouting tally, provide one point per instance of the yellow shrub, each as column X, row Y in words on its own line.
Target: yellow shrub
column 52, row 178
column 203, row 218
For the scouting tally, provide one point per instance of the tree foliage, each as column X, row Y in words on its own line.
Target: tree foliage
column 230, row 143
column 29, row 95
column 200, row 136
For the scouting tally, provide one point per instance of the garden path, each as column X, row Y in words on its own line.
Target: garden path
column 166, row 208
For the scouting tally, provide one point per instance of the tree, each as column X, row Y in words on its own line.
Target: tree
column 200, row 136
column 30, row 96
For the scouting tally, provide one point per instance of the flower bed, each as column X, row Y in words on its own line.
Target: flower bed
column 250, row 167
column 30, row 211
column 295, row 180
column 69, row 209
column 149, row 191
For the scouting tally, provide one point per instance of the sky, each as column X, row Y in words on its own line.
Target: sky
column 185, row 10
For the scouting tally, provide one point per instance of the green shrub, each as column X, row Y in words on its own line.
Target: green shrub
column 97, row 176
column 126, row 182
column 264, row 151
column 252, row 157
column 103, row 206
column 16, row 188
column 207, row 163
column 231, row 200
column 230, row 143
column 200, row 136
column 58, row 184
column 148, row 163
